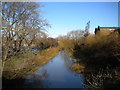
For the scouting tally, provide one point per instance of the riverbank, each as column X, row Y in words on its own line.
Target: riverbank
column 99, row 61
column 94, row 51
column 98, row 73
column 55, row 74
column 20, row 66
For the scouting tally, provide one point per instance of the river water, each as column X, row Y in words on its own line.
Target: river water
column 55, row 74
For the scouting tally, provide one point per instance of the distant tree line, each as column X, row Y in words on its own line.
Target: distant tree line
column 43, row 43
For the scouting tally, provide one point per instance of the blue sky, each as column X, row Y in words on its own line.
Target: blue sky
column 67, row 16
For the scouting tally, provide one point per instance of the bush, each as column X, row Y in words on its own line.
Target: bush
column 98, row 49
column 105, row 78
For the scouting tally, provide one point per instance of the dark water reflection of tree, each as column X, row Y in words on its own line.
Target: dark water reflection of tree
column 33, row 81
column 68, row 61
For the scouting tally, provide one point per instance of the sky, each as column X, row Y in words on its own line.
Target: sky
column 119, row 13
column 67, row 16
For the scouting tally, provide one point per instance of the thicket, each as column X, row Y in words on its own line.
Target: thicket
column 97, row 48
column 94, row 54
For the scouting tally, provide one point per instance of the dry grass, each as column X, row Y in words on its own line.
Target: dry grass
column 19, row 67
column 78, row 68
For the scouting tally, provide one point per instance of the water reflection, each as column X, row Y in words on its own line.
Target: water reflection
column 55, row 74
column 68, row 60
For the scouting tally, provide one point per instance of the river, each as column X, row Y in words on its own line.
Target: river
column 55, row 74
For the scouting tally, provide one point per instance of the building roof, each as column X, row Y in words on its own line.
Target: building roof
column 109, row 28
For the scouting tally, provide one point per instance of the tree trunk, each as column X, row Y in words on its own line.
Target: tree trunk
column 5, row 55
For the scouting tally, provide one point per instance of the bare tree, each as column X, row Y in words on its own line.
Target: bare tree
column 0, row 41
column 87, row 27
column 76, row 34
column 21, row 23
